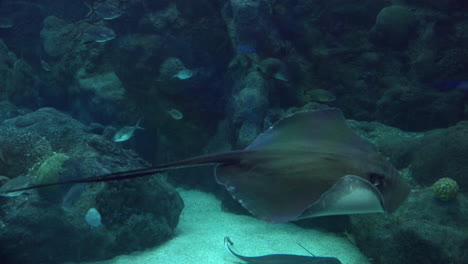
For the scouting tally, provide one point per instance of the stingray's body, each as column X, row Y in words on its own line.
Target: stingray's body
column 309, row 164
column 281, row 258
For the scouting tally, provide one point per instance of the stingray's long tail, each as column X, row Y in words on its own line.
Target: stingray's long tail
column 225, row 158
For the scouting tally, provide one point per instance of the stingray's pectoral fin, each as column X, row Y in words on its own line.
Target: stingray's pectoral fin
column 350, row 195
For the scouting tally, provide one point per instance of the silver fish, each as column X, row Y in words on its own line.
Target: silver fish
column 184, row 74
column 100, row 34
column 175, row 114
column 107, row 11
column 18, row 182
column 126, row 132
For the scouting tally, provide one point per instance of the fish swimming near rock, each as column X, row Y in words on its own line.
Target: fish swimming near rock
column 184, row 74
column 273, row 67
column 126, row 132
column 308, row 164
column 100, row 34
column 45, row 66
column 104, row 10
column 243, row 48
column 15, row 183
column 175, row 114
column 280, row 258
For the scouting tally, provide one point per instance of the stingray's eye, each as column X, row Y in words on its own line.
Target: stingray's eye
column 378, row 180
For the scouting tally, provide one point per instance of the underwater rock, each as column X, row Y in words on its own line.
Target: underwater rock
column 319, row 95
column 393, row 26
column 419, row 109
column 157, row 4
column 106, row 85
column 7, row 110
column 436, row 4
column 72, row 196
column 453, row 65
column 398, row 145
column 442, row 153
column 137, row 221
column 19, row 81
column 249, row 108
column 422, row 230
column 250, row 23
column 57, row 36
column 164, row 19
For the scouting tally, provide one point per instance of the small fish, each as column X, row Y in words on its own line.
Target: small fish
column 184, row 74
column 108, row 11
column 280, row 76
column 280, row 258
column 176, row 114
column 72, row 196
column 15, row 183
column 104, row 10
column 126, row 132
column 45, row 65
column 461, row 86
column 100, row 34
column 93, row 218
column 320, row 95
column 241, row 48
column 273, row 67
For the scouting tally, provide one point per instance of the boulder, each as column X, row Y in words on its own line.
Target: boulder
column 47, row 145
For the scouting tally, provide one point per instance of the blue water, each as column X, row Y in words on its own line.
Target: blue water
column 72, row 77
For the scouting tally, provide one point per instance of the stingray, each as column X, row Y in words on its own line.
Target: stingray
column 306, row 165
column 281, row 258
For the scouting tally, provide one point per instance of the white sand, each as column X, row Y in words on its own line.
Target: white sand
column 203, row 226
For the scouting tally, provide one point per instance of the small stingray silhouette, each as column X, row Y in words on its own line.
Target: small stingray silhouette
column 309, row 164
column 280, row 258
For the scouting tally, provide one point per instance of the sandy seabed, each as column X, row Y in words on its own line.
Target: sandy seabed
column 203, row 225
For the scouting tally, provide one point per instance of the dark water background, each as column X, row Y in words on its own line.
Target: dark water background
column 401, row 64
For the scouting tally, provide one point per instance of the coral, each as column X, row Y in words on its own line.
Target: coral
column 51, row 168
column 445, row 189
column 48, row 172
